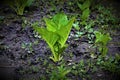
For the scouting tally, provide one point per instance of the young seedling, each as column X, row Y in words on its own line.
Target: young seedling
column 56, row 34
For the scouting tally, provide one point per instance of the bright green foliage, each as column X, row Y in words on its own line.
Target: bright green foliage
column 56, row 34
column 19, row 5
column 60, row 73
column 101, row 41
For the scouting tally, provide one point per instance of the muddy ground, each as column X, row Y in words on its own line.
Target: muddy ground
column 20, row 50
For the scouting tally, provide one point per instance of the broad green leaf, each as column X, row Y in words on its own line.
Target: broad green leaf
column 49, row 37
column 85, row 14
column 79, row 5
column 51, row 26
column 60, row 20
column 85, row 5
column 64, row 32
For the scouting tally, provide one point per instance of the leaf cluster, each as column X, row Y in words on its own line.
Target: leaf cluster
column 56, row 34
column 85, row 8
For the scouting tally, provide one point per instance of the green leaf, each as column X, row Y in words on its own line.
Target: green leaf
column 51, row 26
column 85, row 14
column 79, row 5
column 48, row 36
column 19, row 5
column 102, row 38
column 64, row 32
column 61, row 26
column 101, row 41
column 106, row 38
column 85, row 5
column 60, row 20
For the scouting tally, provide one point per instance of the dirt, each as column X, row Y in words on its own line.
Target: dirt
column 14, row 58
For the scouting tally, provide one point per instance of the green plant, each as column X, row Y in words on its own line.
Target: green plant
column 85, row 4
column 60, row 73
column 101, row 41
column 56, row 34
column 111, row 64
column 80, row 69
column 87, row 25
column 19, row 5
column 85, row 15
column 85, row 8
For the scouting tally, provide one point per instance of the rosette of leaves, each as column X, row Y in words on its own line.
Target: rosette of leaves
column 102, row 41
column 56, row 34
column 19, row 5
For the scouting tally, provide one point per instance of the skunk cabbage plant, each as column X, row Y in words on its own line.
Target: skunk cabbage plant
column 85, row 8
column 19, row 5
column 56, row 34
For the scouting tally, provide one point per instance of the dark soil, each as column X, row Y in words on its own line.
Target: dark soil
column 16, row 62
